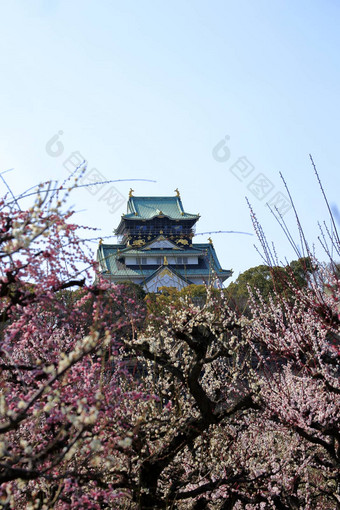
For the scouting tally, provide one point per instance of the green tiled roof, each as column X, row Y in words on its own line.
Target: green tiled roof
column 109, row 262
column 161, row 251
column 146, row 208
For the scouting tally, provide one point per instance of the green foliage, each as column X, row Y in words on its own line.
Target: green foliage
column 268, row 279
column 256, row 277
column 134, row 290
column 174, row 298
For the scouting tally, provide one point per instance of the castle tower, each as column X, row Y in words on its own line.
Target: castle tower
column 155, row 247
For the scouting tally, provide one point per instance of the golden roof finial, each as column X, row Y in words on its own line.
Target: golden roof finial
column 210, row 240
column 177, row 192
column 100, row 241
column 165, row 263
column 130, row 192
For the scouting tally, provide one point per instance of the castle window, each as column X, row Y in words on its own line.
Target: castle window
column 142, row 260
column 182, row 260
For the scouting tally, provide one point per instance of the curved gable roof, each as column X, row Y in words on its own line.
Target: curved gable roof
column 146, row 208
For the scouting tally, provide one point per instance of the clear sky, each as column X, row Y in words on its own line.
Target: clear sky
column 148, row 89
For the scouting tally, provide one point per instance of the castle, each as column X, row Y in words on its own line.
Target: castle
column 156, row 250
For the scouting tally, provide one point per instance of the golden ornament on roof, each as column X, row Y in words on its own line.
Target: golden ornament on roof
column 138, row 242
column 130, row 192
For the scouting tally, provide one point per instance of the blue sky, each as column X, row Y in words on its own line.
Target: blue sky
column 146, row 90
